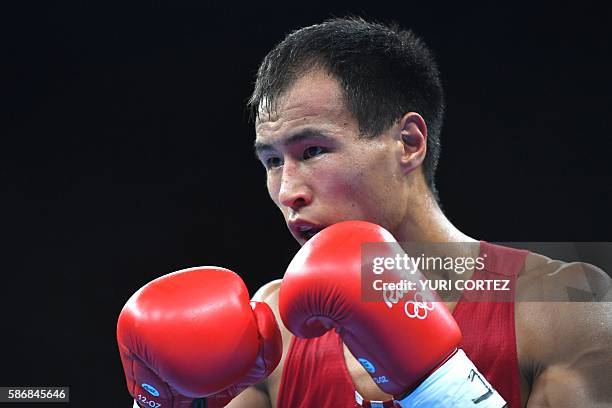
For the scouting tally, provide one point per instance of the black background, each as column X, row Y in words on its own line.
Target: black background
column 126, row 153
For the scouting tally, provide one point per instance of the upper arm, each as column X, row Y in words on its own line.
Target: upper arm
column 572, row 346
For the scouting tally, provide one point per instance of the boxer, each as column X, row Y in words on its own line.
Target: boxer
column 348, row 117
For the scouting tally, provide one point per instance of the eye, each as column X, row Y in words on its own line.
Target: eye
column 273, row 162
column 313, row 151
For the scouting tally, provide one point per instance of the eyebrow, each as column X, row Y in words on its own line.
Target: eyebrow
column 308, row 133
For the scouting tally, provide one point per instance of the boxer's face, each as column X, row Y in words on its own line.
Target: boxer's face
column 319, row 171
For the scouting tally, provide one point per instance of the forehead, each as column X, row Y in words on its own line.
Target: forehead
column 315, row 98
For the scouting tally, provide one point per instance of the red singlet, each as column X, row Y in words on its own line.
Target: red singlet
column 315, row 373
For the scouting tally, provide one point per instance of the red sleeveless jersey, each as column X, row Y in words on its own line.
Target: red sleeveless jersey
column 315, row 373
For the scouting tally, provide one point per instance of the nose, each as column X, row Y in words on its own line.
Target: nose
column 294, row 192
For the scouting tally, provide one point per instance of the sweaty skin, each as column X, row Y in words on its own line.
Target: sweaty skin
column 321, row 171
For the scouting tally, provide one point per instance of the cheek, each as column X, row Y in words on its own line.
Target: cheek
column 350, row 187
column 373, row 188
column 273, row 187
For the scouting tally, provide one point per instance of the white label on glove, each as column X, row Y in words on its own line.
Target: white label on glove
column 457, row 384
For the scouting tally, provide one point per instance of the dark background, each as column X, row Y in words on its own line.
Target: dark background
column 126, row 153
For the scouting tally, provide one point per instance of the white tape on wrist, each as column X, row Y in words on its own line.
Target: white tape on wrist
column 135, row 405
column 456, row 384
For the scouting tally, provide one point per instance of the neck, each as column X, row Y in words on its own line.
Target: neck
column 425, row 222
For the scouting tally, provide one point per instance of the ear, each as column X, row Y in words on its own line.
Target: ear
column 413, row 139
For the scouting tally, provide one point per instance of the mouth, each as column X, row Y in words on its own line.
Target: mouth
column 309, row 233
column 304, row 230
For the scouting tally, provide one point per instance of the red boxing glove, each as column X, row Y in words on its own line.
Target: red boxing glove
column 400, row 344
column 193, row 334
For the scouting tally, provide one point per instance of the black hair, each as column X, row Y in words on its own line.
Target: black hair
column 384, row 72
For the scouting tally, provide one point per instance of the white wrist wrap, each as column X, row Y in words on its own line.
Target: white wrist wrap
column 457, row 384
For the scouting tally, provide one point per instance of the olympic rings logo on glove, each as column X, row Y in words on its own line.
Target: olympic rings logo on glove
column 419, row 307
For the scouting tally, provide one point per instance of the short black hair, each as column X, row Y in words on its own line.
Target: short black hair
column 384, row 72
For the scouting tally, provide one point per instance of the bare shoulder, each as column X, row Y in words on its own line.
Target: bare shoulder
column 545, row 279
column 269, row 293
column 266, row 290
column 564, row 332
